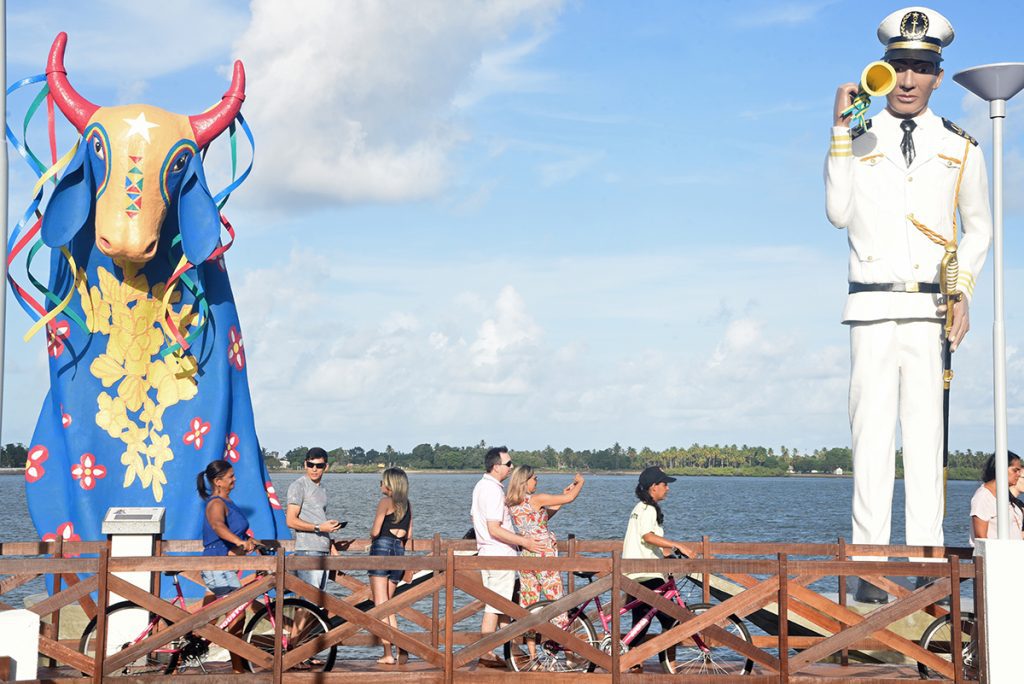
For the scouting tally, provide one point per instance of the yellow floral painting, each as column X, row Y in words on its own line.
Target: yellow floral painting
column 141, row 384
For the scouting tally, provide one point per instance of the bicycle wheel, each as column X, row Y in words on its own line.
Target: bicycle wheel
column 159, row 661
column 702, row 654
column 302, row 622
column 938, row 638
column 549, row 655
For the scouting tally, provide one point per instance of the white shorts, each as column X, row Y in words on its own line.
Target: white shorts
column 501, row 582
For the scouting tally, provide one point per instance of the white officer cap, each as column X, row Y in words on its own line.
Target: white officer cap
column 915, row 33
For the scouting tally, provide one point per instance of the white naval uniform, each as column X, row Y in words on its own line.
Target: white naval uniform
column 896, row 337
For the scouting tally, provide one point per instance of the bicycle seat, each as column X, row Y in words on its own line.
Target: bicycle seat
column 172, row 573
column 584, row 574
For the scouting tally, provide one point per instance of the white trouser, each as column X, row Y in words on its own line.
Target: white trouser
column 896, row 366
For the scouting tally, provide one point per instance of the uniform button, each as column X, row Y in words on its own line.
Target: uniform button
column 871, row 258
column 917, row 265
column 910, row 179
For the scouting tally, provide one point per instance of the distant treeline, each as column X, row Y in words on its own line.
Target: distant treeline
column 696, row 459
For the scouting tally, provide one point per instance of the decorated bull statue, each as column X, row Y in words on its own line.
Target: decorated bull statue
column 147, row 366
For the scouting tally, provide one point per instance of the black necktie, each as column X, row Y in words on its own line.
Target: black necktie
column 907, row 145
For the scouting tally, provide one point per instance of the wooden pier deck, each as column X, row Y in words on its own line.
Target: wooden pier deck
column 822, row 637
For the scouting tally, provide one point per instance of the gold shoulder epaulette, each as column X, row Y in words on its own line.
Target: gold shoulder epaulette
column 959, row 131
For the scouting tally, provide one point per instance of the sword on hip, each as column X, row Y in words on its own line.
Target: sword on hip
column 949, row 276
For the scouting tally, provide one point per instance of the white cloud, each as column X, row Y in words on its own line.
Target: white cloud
column 577, row 350
column 358, row 101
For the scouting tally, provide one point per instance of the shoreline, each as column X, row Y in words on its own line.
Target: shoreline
column 587, row 473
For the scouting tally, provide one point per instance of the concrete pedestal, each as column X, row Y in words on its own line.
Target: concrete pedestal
column 20, row 642
column 1004, row 559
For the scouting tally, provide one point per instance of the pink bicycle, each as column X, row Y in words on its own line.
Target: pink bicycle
column 699, row 654
column 192, row 650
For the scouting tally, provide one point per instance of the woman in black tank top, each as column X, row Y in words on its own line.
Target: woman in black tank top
column 392, row 528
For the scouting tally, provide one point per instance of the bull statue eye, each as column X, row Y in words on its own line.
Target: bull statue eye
column 97, row 147
column 179, row 163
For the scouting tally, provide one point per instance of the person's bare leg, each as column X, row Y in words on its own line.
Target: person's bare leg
column 401, row 656
column 489, row 623
column 379, row 586
column 237, row 662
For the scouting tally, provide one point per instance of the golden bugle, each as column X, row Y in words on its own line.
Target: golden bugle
column 878, row 79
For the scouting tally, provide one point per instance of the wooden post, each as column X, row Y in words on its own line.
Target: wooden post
column 102, row 598
column 979, row 615
column 572, row 554
column 449, row 614
column 435, row 604
column 279, row 617
column 783, row 619
column 58, row 552
column 844, row 655
column 616, row 608
column 705, row 552
column 956, row 648
column 154, row 578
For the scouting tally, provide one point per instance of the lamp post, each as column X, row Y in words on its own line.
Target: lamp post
column 997, row 83
column 3, row 204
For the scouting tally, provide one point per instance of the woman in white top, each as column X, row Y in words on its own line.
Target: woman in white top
column 644, row 540
column 983, row 503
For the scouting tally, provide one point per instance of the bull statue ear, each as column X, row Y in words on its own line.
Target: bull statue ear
column 72, row 201
column 198, row 217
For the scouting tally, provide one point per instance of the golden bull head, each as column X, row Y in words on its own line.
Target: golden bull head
column 135, row 161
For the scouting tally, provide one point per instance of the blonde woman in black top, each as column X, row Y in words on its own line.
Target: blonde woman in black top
column 392, row 527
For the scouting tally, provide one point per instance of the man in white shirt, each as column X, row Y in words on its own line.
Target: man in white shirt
column 495, row 536
column 896, row 185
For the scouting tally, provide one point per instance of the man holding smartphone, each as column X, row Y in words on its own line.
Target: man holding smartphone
column 307, row 516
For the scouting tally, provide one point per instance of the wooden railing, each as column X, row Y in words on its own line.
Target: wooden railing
column 751, row 581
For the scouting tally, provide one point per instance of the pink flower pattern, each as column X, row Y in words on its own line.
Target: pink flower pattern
column 65, row 531
column 231, row 448
column 197, row 430
column 34, row 464
column 65, row 418
column 272, row 496
column 56, row 334
column 87, row 471
column 236, row 350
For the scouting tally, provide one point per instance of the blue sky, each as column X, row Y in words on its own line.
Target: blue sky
column 537, row 222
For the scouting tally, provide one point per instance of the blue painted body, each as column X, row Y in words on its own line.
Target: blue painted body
column 67, row 498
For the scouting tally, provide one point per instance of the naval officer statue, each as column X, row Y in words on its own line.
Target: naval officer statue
column 901, row 186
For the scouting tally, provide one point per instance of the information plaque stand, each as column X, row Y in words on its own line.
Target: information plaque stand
column 131, row 532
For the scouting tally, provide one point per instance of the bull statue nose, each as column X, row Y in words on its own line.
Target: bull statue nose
column 137, row 249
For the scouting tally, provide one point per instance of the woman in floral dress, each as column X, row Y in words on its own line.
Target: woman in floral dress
column 530, row 512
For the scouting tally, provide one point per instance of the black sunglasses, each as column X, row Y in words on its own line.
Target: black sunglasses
column 318, row 466
column 509, row 464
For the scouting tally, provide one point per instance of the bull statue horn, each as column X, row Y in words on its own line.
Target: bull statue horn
column 212, row 122
column 76, row 108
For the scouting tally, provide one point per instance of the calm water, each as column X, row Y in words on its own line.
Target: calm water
column 794, row 509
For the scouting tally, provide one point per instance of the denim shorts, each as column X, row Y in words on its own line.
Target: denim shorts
column 387, row 546
column 221, row 582
column 318, row 578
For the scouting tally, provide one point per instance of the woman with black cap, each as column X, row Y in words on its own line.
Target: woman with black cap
column 645, row 540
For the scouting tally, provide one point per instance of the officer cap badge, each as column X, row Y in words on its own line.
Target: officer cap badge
column 915, row 33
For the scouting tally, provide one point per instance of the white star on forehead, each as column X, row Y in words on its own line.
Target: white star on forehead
column 140, row 126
